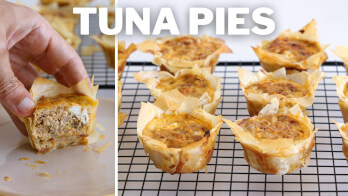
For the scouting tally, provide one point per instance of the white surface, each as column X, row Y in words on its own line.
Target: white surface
column 331, row 17
column 73, row 171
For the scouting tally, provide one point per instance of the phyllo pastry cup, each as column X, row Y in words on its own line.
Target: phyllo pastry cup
column 107, row 43
column 63, row 116
column 342, row 52
column 183, row 52
column 123, row 55
column 196, row 82
column 178, row 138
column 121, row 116
column 293, row 50
column 275, row 142
column 342, row 93
column 291, row 89
column 343, row 129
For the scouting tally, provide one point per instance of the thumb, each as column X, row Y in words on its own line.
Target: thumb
column 13, row 95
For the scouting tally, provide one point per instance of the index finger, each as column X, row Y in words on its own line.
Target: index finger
column 57, row 57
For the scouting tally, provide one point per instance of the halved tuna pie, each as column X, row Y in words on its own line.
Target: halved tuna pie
column 63, row 116
column 198, row 83
column 343, row 129
column 183, row 52
column 342, row 93
column 177, row 139
column 342, row 52
column 293, row 50
column 297, row 88
column 275, row 142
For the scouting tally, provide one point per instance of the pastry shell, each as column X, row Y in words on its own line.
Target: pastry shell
column 47, row 88
column 123, row 55
column 107, row 43
column 341, row 82
column 121, row 116
column 173, row 66
column 342, row 52
column 255, row 102
column 206, row 102
column 66, row 2
column 275, row 156
column 344, row 135
column 273, row 61
column 187, row 159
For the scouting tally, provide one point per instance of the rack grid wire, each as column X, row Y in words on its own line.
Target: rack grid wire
column 95, row 64
column 228, row 173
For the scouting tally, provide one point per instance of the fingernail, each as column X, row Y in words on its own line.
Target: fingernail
column 25, row 105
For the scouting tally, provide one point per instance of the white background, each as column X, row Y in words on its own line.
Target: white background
column 331, row 16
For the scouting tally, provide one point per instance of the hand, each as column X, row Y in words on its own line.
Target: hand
column 26, row 38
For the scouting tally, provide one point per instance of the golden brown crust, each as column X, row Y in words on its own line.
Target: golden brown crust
column 208, row 92
column 276, row 155
column 190, row 158
column 66, row 2
column 297, row 88
column 182, row 52
column 293, row 50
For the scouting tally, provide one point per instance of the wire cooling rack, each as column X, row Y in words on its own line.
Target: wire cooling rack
column 95, row 64
column 228, row 173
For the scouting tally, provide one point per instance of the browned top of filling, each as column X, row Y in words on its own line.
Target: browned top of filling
column 278, row 126
column 280, row 86
column 69, row 99
column 177, row 131
column 189, row 85
column 300, row 49
column 188, row 48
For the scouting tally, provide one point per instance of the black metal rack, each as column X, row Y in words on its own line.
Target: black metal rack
column 228, row 173
column 95, row 64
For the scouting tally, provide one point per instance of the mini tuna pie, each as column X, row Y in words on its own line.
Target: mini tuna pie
column 293, row 50
column 177, row 139
column 297, row 88
column 342, row 52
column 275, row 142
column 183, row 52
column 343, row 129
column 121, row 116
column 123, row 55
column 342, row 93
column 195, row 82
column 63, row 116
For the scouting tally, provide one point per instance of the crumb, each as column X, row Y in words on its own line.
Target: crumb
column 32, row 165
column 102, row 136
column 45, row 174
column 89, row 50
column 40, row 162
column 7, row 178
column 24, row 159
column 100, row 127
column 87, row 148
column 102, row 148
